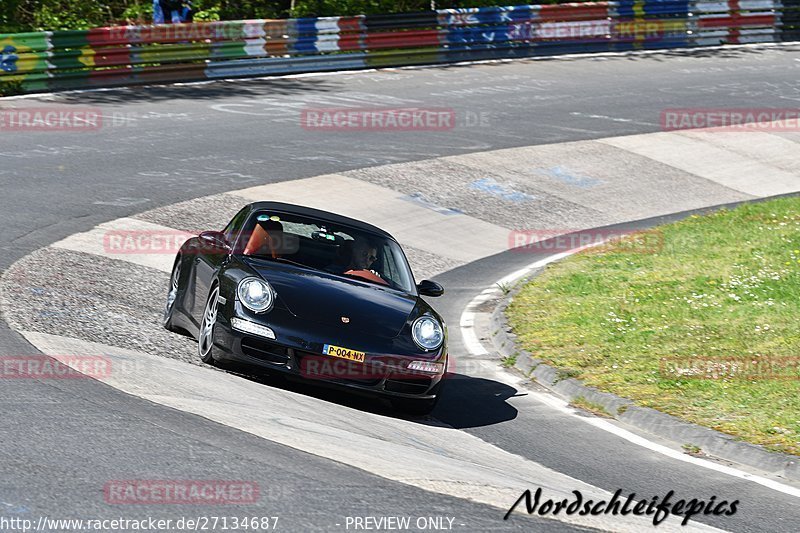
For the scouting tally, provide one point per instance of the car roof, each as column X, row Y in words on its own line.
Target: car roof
column 326, row 216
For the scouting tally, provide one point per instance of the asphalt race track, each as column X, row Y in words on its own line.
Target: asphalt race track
column 169, row 156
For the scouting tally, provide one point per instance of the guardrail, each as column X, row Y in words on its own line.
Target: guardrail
column 125, row 55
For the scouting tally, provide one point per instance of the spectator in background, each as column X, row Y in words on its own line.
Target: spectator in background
column 172, row 11
column 187, row 13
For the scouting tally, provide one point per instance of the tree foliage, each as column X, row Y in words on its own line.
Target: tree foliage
column 37, row 15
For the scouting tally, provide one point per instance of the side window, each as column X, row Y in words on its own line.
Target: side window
column 233, row 228
column 386, row 264
column 395, row 261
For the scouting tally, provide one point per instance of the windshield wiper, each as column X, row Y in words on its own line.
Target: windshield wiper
column 284, row 260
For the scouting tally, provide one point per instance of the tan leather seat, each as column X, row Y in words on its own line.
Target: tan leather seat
column 265, row 239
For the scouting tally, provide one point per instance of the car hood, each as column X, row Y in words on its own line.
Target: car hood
column 328, row 299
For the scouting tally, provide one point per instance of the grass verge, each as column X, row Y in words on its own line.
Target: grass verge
column 706, row 327
column 595, row 408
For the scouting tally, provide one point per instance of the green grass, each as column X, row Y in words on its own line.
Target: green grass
column 509, row 361
column 505, row 288
column 692, row 449
column 11, row 88
column 595, row 408
column 725, row 285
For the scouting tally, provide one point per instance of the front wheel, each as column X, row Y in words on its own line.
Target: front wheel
column 172, row 296
column 205, row 344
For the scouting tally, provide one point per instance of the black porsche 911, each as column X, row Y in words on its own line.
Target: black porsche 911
column 313, row 294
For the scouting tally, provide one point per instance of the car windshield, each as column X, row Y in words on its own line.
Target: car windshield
column 332, row 248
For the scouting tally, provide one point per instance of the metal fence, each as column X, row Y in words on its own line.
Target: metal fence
column 125, row 55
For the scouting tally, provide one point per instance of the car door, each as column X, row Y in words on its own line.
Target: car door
column 207, row 263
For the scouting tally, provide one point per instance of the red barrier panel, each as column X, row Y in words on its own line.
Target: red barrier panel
column 737, row 21
column 404, row 39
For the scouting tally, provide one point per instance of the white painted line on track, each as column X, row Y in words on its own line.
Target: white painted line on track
column 612, row 119
column 563, row 406
column 708, row 157
column 476, row 348
column 467, row 322
column 129, row 239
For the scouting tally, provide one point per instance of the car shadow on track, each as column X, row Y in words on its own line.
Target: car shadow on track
column 467, row 401
column 666, row 54
column 470, row 402
column 265, row 86
column 209, row 90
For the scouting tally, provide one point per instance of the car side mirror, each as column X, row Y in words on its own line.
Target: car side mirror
column 430, row 288
column 215, row 241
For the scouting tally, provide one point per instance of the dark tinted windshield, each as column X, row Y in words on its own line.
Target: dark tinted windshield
column 322, row 246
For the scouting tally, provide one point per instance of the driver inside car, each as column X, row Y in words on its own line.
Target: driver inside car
column 363, row 255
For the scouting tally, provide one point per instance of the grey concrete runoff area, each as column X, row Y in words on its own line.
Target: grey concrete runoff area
column 545, row 147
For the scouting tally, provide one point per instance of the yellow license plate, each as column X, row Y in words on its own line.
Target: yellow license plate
column 344, row 353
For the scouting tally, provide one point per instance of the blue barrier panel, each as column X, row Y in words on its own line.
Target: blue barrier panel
column 485, row 34
column 486, row 15
column 631, row 8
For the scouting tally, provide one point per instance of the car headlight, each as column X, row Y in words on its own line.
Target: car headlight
column 427, row 332
column 255, row 294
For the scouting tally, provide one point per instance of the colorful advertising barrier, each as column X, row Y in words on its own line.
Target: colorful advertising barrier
column 125, row 55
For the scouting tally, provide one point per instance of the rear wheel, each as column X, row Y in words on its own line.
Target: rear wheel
column 205, row 344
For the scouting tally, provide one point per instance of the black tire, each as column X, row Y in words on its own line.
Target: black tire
column 205, row 338
column 172, row 297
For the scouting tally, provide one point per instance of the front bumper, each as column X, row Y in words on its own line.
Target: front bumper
column 384, row 375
